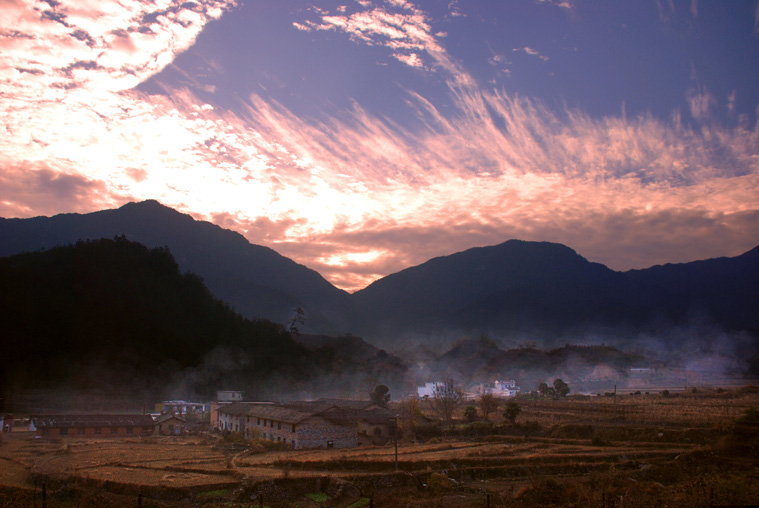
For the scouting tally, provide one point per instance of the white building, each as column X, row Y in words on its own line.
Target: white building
column 429, row 389
column 500, row 388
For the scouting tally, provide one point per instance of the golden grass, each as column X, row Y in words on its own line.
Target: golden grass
column 581, row 438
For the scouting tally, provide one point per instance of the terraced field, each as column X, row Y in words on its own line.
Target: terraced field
column 636, row 451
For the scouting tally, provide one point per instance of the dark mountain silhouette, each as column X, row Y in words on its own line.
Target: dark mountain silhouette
column 517, row 290
column 547, row 290
column 114, row 317
column 256, row 281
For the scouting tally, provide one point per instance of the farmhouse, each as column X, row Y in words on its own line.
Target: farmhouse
column 317, row 424
column 374, row 423
column 501, row 388
column 97, row 425
column 170, row 425
column 182, row 407
column 223, row 398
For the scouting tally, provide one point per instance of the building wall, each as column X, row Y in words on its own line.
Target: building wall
column 231, row 423
column 317, row 432
column 372, row 433
column 273, row 430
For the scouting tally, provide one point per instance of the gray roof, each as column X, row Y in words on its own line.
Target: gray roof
column 340, row 412
column 93, row 420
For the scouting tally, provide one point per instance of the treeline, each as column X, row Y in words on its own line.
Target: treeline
column 115, row 316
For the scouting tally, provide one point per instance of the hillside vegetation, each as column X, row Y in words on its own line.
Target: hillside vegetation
column 115, row 317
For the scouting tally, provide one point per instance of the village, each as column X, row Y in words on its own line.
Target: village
column 574, row 450
column 322, row 423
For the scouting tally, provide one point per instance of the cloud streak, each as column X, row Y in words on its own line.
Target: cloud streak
column 356, row 196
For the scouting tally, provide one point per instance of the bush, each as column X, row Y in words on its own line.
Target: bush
column 234, row 438
column 750, row 417
column 439, row 483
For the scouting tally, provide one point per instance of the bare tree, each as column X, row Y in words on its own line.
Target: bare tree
column 298, row 318
column 488, row 404
column 446, row 399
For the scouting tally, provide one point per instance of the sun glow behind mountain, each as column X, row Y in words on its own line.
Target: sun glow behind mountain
column 365, row 137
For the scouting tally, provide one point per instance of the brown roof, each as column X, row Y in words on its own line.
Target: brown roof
column 354, row 405
column 377, row 416
column 338, row 411
column 280, row 413
column 93, row 420
column 165, row 418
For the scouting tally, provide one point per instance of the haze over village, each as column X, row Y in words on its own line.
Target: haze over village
column 379, row 253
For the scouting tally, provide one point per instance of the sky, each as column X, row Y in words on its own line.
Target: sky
column 362, row 137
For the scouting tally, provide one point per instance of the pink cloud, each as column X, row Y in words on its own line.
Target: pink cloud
column 356, row 197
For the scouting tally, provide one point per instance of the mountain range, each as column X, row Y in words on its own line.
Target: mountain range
column 517, row 290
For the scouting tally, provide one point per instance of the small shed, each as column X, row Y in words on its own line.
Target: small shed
column 170, row 425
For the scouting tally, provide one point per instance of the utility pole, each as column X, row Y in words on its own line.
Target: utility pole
column 395, row 438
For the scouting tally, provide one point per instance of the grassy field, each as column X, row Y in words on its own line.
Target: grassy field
column 694, row 448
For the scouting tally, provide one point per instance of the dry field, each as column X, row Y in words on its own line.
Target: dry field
column 635, row 451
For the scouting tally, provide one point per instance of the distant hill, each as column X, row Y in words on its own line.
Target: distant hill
column 514, row 291
column 546, row 290
column 256, row 281
column 116, row 318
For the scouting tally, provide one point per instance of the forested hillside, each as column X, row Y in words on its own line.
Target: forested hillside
column 114, row 317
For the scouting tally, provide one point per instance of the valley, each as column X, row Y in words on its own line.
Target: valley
column 693, row 448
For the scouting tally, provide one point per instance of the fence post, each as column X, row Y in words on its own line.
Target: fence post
column 139, row 500
column 488, row 500
column 371, row 501
column 260, row 501
column 44, row 495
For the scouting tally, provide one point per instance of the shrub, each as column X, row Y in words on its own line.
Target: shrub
column 439, row 483
column 234, row 438
column 750, row 417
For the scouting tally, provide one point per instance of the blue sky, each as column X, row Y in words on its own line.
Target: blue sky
column 365, row 136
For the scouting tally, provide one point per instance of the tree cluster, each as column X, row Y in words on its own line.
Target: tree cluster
column 113, row 314
column 559, row 389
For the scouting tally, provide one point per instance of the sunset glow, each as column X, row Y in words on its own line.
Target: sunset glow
column 367, row 137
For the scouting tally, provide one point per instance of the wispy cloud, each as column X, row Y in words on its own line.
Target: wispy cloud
column 355, row 196
column 397, row 25
column 530, row 51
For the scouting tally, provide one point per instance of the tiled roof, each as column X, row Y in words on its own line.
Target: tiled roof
column 355, row 405
column 340, row 412
column 167, row 417
column 377, row 416
column 93, row 420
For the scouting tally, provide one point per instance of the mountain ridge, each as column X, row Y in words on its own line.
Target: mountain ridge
column 256, row 280
column 541, row 290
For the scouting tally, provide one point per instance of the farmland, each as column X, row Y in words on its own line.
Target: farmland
column 694, row 448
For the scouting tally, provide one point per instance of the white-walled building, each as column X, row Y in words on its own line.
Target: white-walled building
column 429, row 389
column 500, row 388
